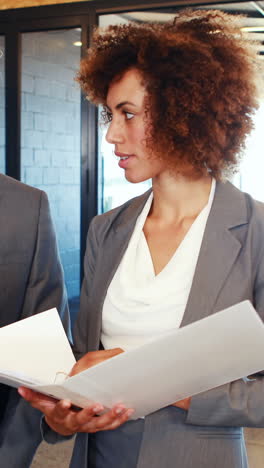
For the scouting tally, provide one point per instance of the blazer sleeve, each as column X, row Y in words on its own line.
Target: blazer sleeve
column 81, row 325
column 238, row 403
column 45, row 289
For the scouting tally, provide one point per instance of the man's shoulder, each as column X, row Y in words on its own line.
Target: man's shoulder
column 20, row 201
column 9, row 183
column 18, row 190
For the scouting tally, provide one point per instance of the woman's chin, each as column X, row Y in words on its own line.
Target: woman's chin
column 135, row 178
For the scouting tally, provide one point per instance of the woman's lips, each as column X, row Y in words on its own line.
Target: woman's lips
column 122, row 155
column 124, row 159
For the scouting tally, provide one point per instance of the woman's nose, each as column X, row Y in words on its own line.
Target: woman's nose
column 114, row 133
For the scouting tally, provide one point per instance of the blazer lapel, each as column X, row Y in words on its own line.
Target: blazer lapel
column 219, row 251
column 109, row 258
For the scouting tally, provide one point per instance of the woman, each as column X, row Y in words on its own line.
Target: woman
column 179, row 100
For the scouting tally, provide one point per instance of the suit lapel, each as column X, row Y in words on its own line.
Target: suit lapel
column 109, row 258
column 219, row 251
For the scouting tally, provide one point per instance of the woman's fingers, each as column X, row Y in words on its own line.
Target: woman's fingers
column 86, row 420
column 37, row 400
column 86, row 414
column 61, row 409
column 62, row 418
column 124, row 417
column 67, row 421
column 108, row 421
column 31, row 395
column 116, row 421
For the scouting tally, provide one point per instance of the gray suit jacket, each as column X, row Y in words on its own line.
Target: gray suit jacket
column 230, row 269
column 31, row 281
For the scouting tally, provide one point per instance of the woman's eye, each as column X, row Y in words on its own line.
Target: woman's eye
column 109, row 116
column 129, row 115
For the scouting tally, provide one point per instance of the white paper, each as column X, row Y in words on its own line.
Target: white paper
column 36, row 348
column 210, row 352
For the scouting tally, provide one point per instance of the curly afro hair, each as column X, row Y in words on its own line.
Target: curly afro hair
column 199, row 74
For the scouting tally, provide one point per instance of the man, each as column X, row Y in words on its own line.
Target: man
column 31, row 281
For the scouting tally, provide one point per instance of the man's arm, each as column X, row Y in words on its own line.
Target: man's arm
column 46, row 287
column 20, row 430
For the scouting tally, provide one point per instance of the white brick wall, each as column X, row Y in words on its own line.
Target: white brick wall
column 51, row 135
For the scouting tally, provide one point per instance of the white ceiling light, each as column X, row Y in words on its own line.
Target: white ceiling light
column 253, row 28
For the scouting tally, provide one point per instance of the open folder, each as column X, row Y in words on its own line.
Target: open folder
column 218, row 349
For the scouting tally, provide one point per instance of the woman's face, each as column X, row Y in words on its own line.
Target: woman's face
column 127, row 128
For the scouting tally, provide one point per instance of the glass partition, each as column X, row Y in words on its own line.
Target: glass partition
column 113, row 188
column 50, row 135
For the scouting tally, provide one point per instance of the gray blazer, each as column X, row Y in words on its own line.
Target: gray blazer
column 31, row 281
column 230, row 269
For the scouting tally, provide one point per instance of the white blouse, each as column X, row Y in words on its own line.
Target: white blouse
column 140, row 305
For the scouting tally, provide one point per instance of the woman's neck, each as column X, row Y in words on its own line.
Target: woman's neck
column 176, row 197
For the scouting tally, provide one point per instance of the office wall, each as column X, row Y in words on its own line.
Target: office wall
column 50, row 135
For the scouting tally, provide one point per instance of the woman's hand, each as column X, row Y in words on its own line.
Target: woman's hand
column 92, row 358
column 183, row 404
column 65, row 420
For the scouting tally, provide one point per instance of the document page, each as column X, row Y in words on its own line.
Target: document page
column 35, row 349
column 218, row 349
column 223, row 347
